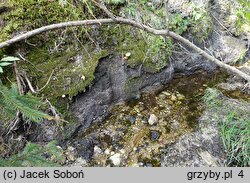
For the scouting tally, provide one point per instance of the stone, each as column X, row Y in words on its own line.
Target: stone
column 116, row 159
column 153, row 120
column 154, row 135
column 97, row 150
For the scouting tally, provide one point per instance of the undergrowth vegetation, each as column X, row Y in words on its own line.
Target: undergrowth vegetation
column 35, row 155
column 11, row 102
column 234, row 126
column 243, row 17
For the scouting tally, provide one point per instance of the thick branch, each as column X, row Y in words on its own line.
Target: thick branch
column 120, row 20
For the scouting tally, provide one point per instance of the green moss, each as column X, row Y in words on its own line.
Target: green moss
column 201, row 25
column 158, row 53
column 31, row 14
column 198, row 22
column 68, row 72
column 152, row 52
column 178, row 23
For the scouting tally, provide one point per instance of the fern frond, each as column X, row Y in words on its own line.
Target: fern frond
column 33, row 155
column 26, row 104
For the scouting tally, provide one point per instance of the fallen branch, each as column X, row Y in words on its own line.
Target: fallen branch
column 132, row 23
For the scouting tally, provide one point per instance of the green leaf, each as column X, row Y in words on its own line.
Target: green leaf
column 5, row 63
column 9, row 59
column 1, row 70
column 247, row 15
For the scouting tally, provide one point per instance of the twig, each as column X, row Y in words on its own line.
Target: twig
column 46, row 82
column 52, row 109
column 24, row 59
column 81, row 44
column 221, row 24
column 29, row 84
column 166, row 12
column 14, row 123
column 57, row 117
column 20, row 88
column 184, row 48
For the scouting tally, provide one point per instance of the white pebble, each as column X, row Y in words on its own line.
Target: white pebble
column 116, row 159
column 152, row 119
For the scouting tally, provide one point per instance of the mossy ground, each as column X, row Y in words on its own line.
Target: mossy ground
column 68, row 72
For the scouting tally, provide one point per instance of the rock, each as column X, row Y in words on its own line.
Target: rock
column 116, row 159
column 70, row 148
column 141, row 106
column 152, row 119
column 112, row 84
column 204, row 147
column 231, row 86
column 97, row 150
column 154, row 135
